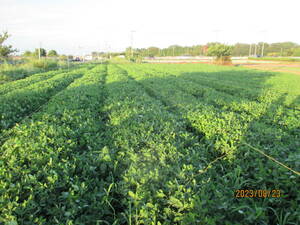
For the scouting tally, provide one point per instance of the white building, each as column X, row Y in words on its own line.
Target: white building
column 88, row 57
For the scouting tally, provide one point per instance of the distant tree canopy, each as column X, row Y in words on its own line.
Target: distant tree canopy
column 63, row 57
column 219, row 50
column 296, row 52
column 94, row 54
column 5, row 50
column 43, row 52
column 152, row 51
column 27, row 53
column 239, row 49
column 52, row 53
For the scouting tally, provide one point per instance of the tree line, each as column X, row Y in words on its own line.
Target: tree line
column 40, row 52
column 239, row 49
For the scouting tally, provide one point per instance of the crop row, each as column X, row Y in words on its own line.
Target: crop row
column 19, row 103
column 129, row 145
column 18, row 84
column 270, row 113
column 226, row 131
column 253, row 85
column 157, row 157
column 14, row 85
column 253, row 80
column 53, row 167
column 180, row 189
column 230, row 127
column 213, row 123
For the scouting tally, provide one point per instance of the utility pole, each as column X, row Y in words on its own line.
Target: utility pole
column 131, row 40
column 81, row 54
column 262, row 49
column 263, row 32
column 250, row 49
column 40, row 51
column 255, row 50
column 109, row 51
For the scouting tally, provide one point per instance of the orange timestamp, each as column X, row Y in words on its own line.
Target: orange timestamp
column 245, row 193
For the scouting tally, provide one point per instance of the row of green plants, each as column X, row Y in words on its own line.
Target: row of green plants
column 18, row 84
column 286, row 118
column 148, row 144
column 55, row 167
column 267, row 115
column 12, row 71
column 227, row 130
column 159, row 161
column 177, row 94
column 17, row 104
column 281, row 115
column 249, row 84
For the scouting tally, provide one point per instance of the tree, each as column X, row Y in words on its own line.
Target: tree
column 153, row 51
column 241, row 49
column 63, row 57
column 219, row 50
column 5, row 50
column 296, row 52
column 52, row 53
column 222, row 53
column 43, row 52
column 95, row 55
column 27, row 53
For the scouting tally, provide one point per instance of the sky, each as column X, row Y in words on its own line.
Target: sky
column 82, row 26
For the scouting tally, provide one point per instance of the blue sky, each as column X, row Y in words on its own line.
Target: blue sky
column 82, row 26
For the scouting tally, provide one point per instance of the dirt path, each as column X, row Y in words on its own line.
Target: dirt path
column 276, row 67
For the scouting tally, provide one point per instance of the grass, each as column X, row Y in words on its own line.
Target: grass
column 150, row 144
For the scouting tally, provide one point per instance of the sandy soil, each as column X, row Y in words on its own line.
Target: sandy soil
column 278, row 67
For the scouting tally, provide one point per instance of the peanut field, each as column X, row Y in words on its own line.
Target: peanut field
column 150, row 144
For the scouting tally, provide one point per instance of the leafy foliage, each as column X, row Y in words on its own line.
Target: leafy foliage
column 239, row 49
column 28, row 53
column 219, row 50
column 52, row 53
column 296, row 52
column 40, row 51
column 5, row 50
column 149, row 144
column 22, row 83
column 19, row 103
column 44, row 64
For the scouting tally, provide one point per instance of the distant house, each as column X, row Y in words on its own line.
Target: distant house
column 88, row 57
column 76, row 59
